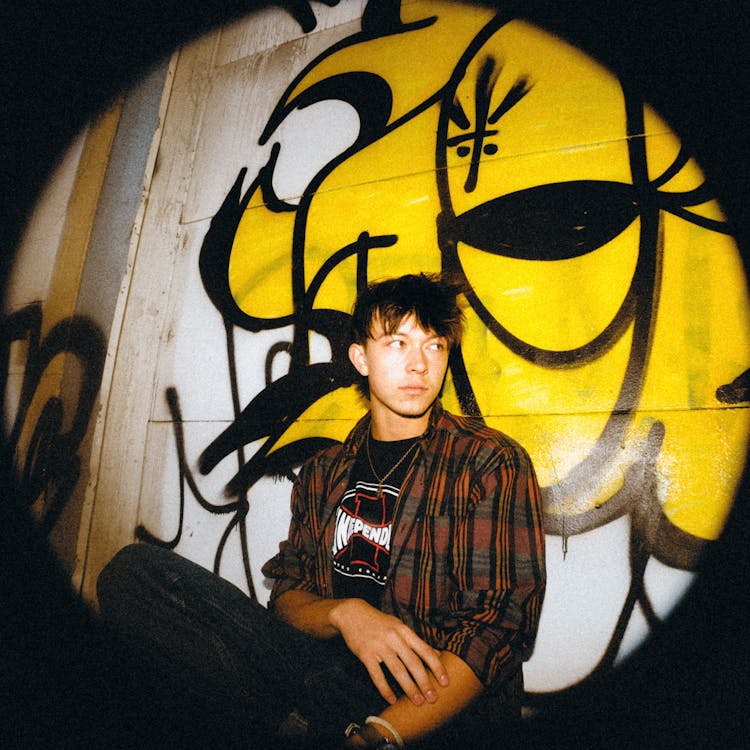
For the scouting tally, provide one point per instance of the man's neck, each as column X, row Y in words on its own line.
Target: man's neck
column 394, row 427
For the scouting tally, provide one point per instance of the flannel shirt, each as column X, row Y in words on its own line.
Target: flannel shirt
column 467, row 569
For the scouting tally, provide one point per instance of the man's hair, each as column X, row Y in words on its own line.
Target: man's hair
column 430, row 298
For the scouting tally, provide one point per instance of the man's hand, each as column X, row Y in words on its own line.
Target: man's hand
column 374, row 637
column 378, row 639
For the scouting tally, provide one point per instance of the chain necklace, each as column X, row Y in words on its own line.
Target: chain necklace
column 382, row 480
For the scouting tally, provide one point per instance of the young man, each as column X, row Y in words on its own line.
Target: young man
column 408, row 592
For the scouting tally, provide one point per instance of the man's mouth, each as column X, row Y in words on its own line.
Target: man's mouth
column 414, row 389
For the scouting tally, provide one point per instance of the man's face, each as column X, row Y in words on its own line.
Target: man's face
column 405, row 371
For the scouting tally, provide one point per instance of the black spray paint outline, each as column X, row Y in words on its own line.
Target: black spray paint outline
column 651, row 532
column 48, row 472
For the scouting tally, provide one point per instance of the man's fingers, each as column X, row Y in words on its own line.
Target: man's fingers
column 420, row 674
column 430, row 658
column 405, row 679
column 377, row 676
column 413, row 663
column 416, row 667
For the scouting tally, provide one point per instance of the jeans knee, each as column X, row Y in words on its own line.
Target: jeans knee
column 122, row 572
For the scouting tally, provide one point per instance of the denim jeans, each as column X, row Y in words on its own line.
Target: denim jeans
column 206, row 658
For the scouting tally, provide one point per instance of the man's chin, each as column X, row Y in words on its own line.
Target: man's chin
column 417, row 411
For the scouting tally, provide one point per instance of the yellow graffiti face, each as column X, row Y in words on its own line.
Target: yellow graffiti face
column 607, row 303
column 575, row 253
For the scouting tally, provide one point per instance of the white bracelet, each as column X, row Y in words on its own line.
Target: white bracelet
column 388, row 726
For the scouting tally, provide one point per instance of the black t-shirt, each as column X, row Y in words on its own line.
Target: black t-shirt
column 364, row 519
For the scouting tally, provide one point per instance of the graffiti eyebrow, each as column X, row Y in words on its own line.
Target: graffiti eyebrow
column 517, row 92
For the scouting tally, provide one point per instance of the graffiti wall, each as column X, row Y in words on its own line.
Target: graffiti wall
column 51, row 356
column 607, row 309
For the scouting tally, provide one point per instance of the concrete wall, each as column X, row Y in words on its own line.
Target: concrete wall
column 60, row 301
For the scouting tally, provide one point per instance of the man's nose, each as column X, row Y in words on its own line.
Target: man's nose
column 417, row 361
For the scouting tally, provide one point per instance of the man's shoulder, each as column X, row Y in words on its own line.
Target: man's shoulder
column 331, row 455
column 324, row 456
column 468, row 429
column 330, row 450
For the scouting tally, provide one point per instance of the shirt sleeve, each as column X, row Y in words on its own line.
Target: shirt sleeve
column 294, row 567
column 499, row 565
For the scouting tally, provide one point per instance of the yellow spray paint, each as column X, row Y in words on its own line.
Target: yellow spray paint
column 567, row 127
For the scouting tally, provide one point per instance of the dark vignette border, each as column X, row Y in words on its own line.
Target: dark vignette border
column 60, row 64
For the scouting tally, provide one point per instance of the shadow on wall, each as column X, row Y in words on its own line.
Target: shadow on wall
column 60, row 680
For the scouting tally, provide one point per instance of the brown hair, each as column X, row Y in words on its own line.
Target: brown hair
column 431, row 298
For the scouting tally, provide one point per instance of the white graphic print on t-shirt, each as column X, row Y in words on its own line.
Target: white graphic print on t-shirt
column 362, row 539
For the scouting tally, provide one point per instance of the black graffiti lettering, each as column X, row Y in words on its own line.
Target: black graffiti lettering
column 50, row 466
column 736, row 392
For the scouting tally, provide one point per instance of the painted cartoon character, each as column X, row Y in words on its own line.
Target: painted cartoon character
column 607, row 309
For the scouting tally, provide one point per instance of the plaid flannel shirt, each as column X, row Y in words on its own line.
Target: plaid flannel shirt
column 467, row 569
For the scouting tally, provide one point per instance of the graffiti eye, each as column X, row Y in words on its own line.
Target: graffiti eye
column 463, row 151
column 565, row 255
column 549, row 222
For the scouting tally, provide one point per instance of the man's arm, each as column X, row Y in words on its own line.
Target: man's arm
column 414, row 723
column 375, row 638
column 432, row 695
column 498, row 596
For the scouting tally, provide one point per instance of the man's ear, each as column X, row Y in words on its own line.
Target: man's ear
column 358, row 359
